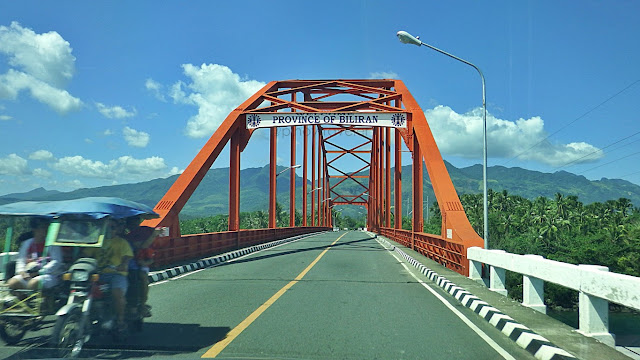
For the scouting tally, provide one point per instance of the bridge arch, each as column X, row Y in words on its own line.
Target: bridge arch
column 373, row 111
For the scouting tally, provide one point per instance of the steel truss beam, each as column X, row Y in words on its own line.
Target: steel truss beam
column 326, row 96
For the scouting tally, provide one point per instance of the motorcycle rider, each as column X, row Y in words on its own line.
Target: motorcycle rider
column 113, row 260
column 140, row 238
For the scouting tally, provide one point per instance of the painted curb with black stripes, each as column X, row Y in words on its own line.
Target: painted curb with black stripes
column 219, row 259
column 540, row 347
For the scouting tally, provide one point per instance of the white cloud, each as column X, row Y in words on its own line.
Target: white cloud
column 461, row 135
column 383, row 75
column 114, row 112
column 41, row 173
column 5, row 117
column 155, row 88
column 59, row 100
column 123, row 169
column 77, row 165
column 43, row 155
column 135, row 138
column 140, row 166
column 40, row 63
column 46, row 57
column 13, row 165
column 74, row 184
column 108, row 132
column 216, row 91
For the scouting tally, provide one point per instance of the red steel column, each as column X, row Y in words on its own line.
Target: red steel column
column 234, row 183
column 313, row 175
column 398, row 182
column 321, row 191
column 292, row 180
column 373, row 189
column 327, row 203
column 324, row 192
column 387, row 197
column 370, row 206
column 272, row 178
column 381, row 146
column 418, row 225
column 304, row 176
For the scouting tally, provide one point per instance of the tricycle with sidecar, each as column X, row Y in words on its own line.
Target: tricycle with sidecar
column 84, row 228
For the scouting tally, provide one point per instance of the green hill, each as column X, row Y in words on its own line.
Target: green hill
column 211, row 196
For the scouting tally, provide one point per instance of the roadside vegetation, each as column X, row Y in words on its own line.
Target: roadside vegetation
column 561, row 229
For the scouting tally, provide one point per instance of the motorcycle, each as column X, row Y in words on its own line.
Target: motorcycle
column 89, row 310
column 77, row 225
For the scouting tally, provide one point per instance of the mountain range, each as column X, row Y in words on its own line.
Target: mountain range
column 211, row 196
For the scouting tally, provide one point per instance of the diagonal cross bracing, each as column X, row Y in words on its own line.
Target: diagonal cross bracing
column 331, row 183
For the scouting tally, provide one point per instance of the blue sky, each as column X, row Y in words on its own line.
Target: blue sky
column 101, row 93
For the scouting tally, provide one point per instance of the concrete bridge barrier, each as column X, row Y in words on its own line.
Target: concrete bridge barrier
column 595, row 284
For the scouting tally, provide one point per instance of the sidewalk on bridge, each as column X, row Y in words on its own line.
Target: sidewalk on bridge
column 560, row 334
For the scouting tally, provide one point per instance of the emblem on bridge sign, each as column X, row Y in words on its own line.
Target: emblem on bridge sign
column 397, row 120
column 253, row 120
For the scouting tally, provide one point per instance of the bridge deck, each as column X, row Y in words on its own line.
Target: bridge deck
column 330, row 295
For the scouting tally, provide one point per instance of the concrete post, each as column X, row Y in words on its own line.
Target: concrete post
column 475, row 270
column 497, row 277
column 594, row 313
column 497, row 280
column 533, row 290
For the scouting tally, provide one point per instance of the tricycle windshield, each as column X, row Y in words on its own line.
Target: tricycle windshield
column 79, row 232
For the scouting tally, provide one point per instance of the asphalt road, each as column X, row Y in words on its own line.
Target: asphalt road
column 336, row 295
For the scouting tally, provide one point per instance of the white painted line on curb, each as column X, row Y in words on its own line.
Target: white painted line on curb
column 464, row 319
column 231, row 260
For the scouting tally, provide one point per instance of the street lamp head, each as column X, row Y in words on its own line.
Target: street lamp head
column 407, row 38
column 296, row 166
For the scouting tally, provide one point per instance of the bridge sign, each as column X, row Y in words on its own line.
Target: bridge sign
column 356, row 118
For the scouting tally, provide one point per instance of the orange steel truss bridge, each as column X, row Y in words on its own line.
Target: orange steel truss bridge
column 372, row 111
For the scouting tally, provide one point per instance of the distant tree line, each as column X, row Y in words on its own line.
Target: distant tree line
column 260, row 220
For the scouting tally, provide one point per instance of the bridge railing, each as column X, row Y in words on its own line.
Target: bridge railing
column 189, row 247
column 595, row 284
column 446, row 252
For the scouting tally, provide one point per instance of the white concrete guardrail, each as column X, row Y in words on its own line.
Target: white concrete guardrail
column 596, row 285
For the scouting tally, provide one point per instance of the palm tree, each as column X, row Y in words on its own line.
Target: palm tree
column 624, row 204
column 561, row 206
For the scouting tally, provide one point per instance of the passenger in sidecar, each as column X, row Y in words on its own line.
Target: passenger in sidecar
column 33, row 269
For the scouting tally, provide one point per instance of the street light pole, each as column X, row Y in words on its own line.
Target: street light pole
column 289, row 168
column 407, row 38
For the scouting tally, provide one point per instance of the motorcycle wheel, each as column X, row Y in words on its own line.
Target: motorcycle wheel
column 12, row 331
column 67, row 335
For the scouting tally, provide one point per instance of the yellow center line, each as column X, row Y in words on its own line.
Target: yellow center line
column 235, row 332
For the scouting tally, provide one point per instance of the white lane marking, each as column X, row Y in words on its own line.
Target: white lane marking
column 228, row 261
column 464, row 319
